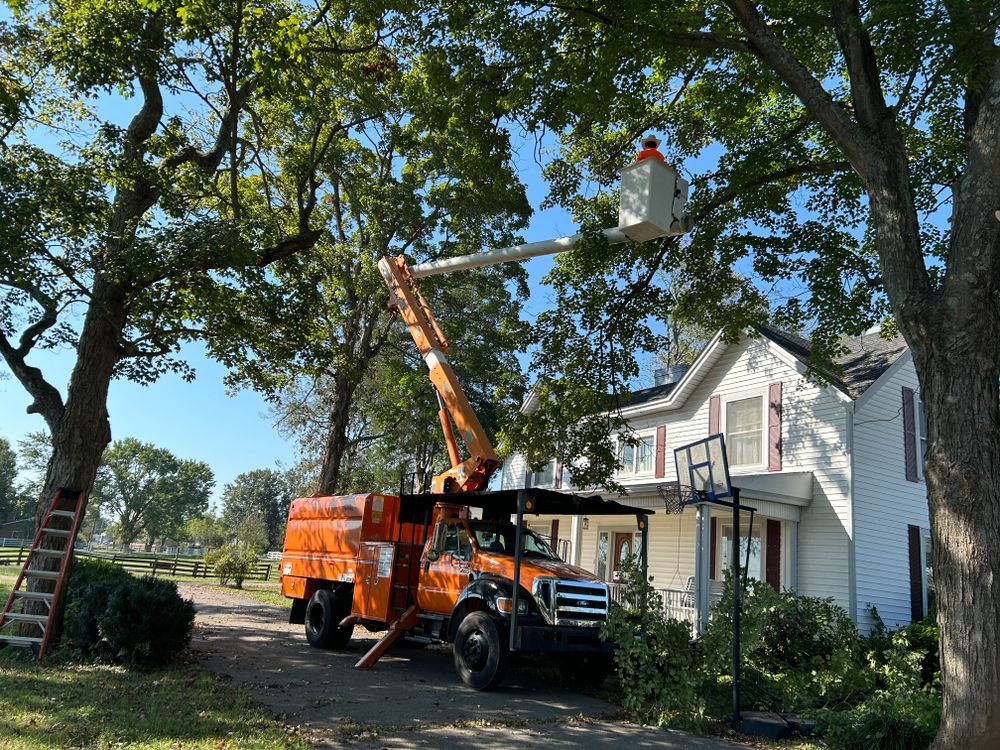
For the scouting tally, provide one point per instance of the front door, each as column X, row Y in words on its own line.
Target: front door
column 621, row 550
column 443, row 579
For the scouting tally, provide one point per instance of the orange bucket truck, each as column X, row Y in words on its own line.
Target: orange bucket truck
column 456, row 565
column 422, row 566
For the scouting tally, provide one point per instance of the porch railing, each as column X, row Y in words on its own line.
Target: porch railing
column 677, row 604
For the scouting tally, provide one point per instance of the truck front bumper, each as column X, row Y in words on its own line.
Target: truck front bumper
column 554, row 639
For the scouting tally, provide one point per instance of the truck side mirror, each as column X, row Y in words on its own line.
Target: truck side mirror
column 437, row 543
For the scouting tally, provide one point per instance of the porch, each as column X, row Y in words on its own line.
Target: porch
column 694, row 545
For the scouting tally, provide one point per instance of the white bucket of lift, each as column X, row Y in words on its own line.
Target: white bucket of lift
column 653, row 201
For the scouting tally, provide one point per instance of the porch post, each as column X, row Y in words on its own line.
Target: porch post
column 576, row 535
column 702, row 559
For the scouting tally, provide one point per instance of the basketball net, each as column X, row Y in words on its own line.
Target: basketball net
column 676, row 497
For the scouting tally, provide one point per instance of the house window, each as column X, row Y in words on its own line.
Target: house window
column 755, row 568
column 745, row 431
column 639, row 458
column 545, row 477
column 602, row 556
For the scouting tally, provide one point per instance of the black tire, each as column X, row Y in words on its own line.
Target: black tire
column 587, row 670
column 482, row 654
column 323, row 613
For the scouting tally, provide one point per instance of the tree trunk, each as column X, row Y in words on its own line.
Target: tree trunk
column 82, row 430
column 336, row 442
column 959, row 390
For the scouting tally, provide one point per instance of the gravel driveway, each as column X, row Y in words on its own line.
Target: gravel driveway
column 411, row 699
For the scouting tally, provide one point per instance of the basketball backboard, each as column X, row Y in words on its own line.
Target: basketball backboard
column 703, row 465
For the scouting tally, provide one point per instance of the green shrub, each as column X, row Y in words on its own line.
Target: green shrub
column 907, row 658
column 657, row 664
column 232, row 564
column 122, row 618
column 888, row 721
column 797, row 652
column 86, row 570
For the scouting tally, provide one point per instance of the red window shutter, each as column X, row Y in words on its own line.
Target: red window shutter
column 774, row 427
column 909, row 436
column 772, row 555
column 916, row 574
column 661, row 450
column 554, row 535
column 713, row 415
column 557, row 477
column 713, row 554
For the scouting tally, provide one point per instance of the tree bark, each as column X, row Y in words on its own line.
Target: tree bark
column 962, row 469
column 336, row 442
column 83, row 431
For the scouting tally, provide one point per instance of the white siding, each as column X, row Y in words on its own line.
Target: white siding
column 513, row 473
column 814, row 437
column 885, row 503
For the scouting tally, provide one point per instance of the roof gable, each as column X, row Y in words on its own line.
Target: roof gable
column 866, row 359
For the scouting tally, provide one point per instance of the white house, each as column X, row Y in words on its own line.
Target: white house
column 831, row 467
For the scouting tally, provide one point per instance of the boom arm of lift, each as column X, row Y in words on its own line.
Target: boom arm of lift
column 464, row 476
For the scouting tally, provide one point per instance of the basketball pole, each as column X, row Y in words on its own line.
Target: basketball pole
column 737, row 606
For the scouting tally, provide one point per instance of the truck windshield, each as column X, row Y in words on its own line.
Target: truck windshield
column 499, row 538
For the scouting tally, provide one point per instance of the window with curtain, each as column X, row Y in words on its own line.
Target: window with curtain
column 745, row 431
column 755, row 568
column 646, row 454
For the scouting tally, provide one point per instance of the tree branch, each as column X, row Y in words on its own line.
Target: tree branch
column 862, row 68
column 47, row 400
column 853, row 141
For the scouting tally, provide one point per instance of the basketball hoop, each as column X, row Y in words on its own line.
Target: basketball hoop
column 676, row 497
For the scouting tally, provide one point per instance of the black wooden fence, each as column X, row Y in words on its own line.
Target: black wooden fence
column 146, row 564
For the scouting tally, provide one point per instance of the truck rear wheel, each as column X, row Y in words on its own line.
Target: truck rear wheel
column 482, row 656
column 323, row 615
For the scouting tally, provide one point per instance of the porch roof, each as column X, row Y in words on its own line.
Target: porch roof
column 503, row 503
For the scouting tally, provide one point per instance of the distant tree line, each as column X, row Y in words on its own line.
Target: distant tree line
column 144, row 493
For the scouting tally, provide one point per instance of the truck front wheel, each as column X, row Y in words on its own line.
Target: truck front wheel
column 323, row 615
column 482, row 656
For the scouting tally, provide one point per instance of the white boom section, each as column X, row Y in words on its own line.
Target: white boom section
column 653, row 201
column 506, row 254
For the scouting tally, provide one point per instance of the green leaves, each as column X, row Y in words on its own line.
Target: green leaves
column 148, row 491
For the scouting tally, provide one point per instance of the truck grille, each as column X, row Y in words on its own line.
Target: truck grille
column 576, row 603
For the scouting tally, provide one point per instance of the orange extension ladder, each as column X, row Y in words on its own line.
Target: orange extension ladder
column 60, row 522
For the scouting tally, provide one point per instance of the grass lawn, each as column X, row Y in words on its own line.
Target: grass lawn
column 63, row 704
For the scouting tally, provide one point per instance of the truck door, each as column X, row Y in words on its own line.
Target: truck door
column 444, row 567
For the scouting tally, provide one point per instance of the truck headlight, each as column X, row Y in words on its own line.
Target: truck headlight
column 505, row 604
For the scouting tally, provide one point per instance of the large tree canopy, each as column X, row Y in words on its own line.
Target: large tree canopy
column 426, row 171
column 843, row 157
column 110, row 234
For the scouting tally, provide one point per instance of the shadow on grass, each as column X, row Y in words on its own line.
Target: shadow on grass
column 67, row 704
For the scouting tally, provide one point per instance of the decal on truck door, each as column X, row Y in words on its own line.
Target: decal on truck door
column 384, row 562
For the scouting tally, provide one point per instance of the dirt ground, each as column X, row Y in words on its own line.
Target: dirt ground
column 411, row 699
